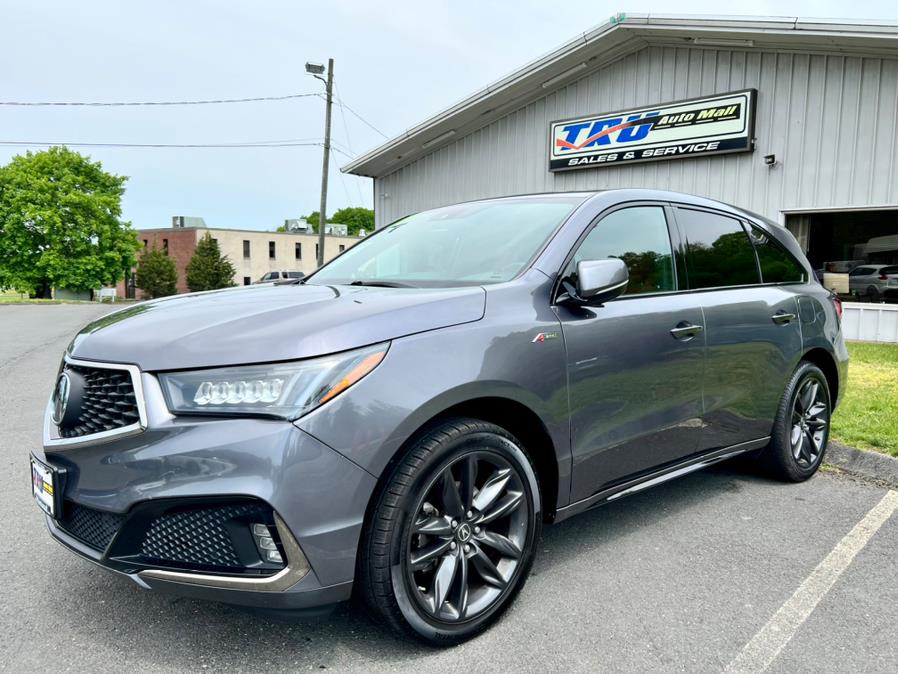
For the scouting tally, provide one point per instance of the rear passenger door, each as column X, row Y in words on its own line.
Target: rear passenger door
column 752, row 332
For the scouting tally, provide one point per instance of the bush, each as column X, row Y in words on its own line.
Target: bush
column 208, row 269
column 157, row 275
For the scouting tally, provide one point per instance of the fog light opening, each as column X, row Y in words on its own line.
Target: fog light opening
column 264, row 539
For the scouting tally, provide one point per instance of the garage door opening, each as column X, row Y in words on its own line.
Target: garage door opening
column 852, row 252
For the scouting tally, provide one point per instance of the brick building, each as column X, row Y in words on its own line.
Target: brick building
column 253, row 253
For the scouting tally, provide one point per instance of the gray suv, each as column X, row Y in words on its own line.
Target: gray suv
column 399, row 425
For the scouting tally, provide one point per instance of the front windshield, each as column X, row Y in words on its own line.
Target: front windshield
column 468, row 244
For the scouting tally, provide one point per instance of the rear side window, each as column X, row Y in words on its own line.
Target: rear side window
column 640, row 238
column 777, row 264
column 718, row 250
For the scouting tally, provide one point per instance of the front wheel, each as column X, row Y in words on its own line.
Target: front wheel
column 453, row 535
column 801, row 429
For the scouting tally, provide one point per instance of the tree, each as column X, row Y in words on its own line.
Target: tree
column 157, row 275
column 354, row 218
column 208, row 269
column 312, row 218
column 60, row 223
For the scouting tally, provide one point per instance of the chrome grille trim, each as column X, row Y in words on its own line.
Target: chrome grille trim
column 52, row 437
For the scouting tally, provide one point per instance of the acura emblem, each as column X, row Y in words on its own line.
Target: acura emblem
column 60, row 398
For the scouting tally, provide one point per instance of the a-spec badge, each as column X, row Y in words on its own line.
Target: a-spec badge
column 543, row 336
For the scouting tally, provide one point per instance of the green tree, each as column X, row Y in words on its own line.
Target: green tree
column 208, row 269
column 157, row 275
column 60, row 223
column 355, row 218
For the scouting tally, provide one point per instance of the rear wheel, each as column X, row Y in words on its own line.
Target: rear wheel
column 873, row 294
column 801, row 429
column 454, row 533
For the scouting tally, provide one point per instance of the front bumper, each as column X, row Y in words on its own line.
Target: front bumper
column 316, row 496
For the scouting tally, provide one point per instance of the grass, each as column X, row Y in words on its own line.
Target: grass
column 18, row 299
column 867, row 417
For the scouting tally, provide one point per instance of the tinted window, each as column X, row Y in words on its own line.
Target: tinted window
column 718, row 251
column 889, row 270
column 777, row 264
column 639, row 237
column 466, row 244
column 861, row 271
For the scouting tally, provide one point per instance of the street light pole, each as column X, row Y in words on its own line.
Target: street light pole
column 322, row 210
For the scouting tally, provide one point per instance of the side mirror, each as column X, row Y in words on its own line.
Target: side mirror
column 597, row 281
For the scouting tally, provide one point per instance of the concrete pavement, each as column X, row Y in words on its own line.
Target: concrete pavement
column 678, row 578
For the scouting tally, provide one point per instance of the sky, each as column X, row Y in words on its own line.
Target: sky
column 396, row 63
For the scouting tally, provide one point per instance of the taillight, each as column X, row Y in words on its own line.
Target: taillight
column 883, row 277
column 837, row 303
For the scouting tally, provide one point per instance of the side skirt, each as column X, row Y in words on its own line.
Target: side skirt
column 659, row 477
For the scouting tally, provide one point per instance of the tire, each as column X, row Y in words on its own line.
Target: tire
column 873, row 294
column 439, row 568
column 801, row 429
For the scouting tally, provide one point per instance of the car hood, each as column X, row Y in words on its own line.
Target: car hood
column 261, row 324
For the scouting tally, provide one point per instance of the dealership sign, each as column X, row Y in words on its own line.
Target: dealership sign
column 699, row 126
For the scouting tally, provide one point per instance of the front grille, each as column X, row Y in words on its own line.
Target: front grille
column 95, row 528
column 201, row 538
column 108, row 401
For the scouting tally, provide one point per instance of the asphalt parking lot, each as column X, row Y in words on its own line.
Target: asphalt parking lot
column 722, row 570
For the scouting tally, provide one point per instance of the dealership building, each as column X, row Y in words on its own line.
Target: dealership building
column 795, row 119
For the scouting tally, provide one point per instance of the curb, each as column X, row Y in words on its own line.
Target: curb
column 870, row 465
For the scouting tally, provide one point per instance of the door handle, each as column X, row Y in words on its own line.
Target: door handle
column 686, row 330
column 782, row 318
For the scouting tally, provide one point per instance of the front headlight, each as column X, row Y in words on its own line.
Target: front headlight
column 286, row 390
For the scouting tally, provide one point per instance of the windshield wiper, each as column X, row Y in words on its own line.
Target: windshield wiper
column 382, row 284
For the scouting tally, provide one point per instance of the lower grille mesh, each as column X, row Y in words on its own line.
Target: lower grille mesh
column 199, row 538
column 95, row 528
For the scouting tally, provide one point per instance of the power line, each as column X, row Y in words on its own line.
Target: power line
column 348, row 142
column 100, row 104
column 364, row 121
column 251, row 144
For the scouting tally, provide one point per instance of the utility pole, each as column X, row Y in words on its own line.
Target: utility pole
column 322, row 210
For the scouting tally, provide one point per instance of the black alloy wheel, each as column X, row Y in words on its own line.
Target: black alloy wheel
column 467, row 536
column 810, row 422
column 453, row 533
column 801, row 430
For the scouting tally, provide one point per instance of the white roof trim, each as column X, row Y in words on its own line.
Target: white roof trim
column 620, row 35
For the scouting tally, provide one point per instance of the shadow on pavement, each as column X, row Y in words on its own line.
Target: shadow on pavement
column 165, row 632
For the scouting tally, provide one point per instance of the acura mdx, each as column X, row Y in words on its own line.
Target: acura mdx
column 399, row 425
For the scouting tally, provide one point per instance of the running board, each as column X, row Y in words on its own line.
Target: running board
column 659, row 477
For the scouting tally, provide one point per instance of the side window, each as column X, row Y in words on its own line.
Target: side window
column 860, row 271
column 640, row 238
column 718, row 250
column 777, row 264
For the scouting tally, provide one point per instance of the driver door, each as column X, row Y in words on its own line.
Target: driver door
column 635, row 364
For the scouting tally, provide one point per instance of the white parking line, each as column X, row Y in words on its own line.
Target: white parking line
column 763, row 648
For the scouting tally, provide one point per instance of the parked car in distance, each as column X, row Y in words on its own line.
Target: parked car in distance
column 279, row 277
column 871, row 281
column 402, row 423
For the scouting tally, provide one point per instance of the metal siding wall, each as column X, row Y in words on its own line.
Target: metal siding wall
column 831, row 121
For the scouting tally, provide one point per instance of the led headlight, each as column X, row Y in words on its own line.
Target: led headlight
column 286, row 390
